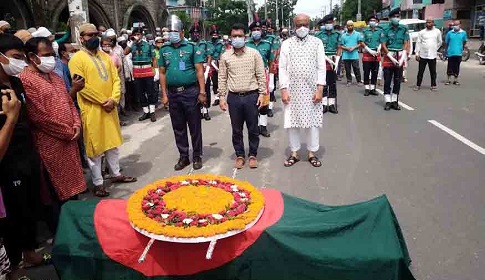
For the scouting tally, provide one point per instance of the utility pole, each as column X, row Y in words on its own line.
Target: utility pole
column 359, row 15
column 277, row 20
column 265, row 10
column 77, row 16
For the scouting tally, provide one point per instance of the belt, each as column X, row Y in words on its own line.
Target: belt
column 244, row 93
column 142, row 66
column 180, row 89
column 395, row 51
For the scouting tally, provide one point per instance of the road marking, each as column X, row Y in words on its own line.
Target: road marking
column 458, row 136
column 405, row 106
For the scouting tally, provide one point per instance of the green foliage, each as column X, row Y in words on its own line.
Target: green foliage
column 287, row 6
column 185, row 18
column 368, row 7
column 226, row 13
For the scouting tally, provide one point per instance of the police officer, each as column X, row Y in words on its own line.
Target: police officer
column 216, row 47
column 330, row 38
column 395, row 45
column 264, row 47
column 371, row 43
column 204, row 49
column 268, row 35
column 182, row 84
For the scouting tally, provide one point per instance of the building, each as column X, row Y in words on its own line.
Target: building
column 54, row 14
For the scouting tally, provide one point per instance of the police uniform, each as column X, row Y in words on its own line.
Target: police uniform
column 331, row 40
column 265, row 49
column 275, row 49
column 183, row 91
column 216, row 46
column 371, row 37
column 394, row 39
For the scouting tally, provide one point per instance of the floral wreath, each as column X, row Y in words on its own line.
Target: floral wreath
column 195, row 206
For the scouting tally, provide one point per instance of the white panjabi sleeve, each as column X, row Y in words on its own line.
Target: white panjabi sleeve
column 283, row 65
column 321, row 65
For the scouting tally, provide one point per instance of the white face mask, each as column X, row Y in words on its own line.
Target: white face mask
column 107, row 49
column 47, row 64
column 14, row 66
column 70, row 55
column 55, row 46
column 302, row 32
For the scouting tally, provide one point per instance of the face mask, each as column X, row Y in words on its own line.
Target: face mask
column 256, row 35
column 107, row 49
column 238, row 42
column 328, row 26
column 47, row 64
column 92, row 44
column 264, row 33
column 456, row 28
column 195, row 38
column 55, row 46
column 372, row 24
column 14, row 66
column 395, row 20
column 70, row 55
column 302, row 32
column 137, row 38
column 151, row 42
column 174, row 37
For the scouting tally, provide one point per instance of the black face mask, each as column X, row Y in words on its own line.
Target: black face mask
column 195, row 38
column 214, row 39
column 92, row 44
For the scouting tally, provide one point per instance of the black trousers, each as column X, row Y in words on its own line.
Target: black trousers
column 145, row 90
column 243, row 109
column 185, row 111
column 352, row 64
column 131, row 98
column 215, row 86
column 370, row 67
column 453, row 67
column 330, row 90
column 392, row 75
column 432, row 70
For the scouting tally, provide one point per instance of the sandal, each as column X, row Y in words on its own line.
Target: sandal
column 291, row 161
column 240, row 161
column 123, row 179
column 100, row 191
column 315, row 162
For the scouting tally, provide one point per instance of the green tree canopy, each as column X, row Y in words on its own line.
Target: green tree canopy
column 368, row 8
column 285, row 9
column 226, row 13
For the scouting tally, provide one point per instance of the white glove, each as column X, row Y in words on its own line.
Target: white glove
column 337, row 59
column 371, row 52
column 206, row 72
column 129, row 43
column 156, row 78
column 271, row 82
column 213, row 63
column 392, row 59
column 329, row 60
column 404, row 57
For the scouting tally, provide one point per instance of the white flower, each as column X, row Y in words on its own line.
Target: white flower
column 213, row 182
column 242, row 194
column 184, row 182
column 195, row 181
column 187, row 221
column 164, row 216
column 244, row 199
column 158, row 191
column 202, row 220
column 150, row 204
column 234, row 188
column 217, row 216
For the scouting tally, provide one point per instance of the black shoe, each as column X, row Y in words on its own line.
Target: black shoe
column 216, row 102
column 367, row 92
column 207, row 117
column 153, row 118
column 270, row 113
column 373, row 92
column 395, row 106
column 263, row 131
column 145, row 116
column 181, row 164
column 333, row 109
column 197, row 163
column 388, row 106
column 325, row 109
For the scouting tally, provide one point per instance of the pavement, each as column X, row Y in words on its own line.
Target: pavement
column 428, row 158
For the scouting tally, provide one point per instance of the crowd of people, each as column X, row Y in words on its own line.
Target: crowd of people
column 66, row 101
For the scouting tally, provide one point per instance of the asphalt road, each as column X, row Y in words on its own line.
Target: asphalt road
column 429, row 159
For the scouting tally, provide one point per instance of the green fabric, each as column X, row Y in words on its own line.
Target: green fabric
column 273, row 40
column 264, row 48
column 330, row 41
column 372, row 38
column 311, row 241
column 395, row 37
column 65, row 37
column 216, row 49
column 203, row 48
column 170, row 58
column 142, row 53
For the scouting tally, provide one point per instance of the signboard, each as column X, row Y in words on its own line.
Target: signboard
column 447, row 14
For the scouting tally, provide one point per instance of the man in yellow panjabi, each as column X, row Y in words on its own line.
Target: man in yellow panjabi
column 98, row 101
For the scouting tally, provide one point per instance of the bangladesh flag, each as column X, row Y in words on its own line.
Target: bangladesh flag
column 295, row 239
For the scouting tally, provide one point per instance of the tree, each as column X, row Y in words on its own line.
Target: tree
column 368, row 8
column 226, row 13
column 287, row 6
column 185, row 18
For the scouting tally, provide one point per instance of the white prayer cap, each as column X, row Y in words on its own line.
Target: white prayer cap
column 121, row 39
column 129, row 32
column 225, row 37
column 158, row 39
column 350, row 22
column 125, row 36
column 4, row 24
column 110, row 33
column 157, row 29
column 32, row 30
column 42, row 32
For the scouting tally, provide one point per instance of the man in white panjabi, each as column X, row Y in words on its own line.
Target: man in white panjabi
column 302, row 72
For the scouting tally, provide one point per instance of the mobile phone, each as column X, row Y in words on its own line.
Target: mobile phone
column 77, row 76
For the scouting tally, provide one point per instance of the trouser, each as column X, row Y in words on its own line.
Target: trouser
column 113, row 160
column 215, row 86
column 313, row 138
column 146, row 91
column 453, row 68
column 339, row 67
column 432, row 70
column 482, row 32
column 370, row 69
column 330, row 91
column 392, row 75
column 349, row 65
column 131, row 98
column 244, row 109
column 185, row 111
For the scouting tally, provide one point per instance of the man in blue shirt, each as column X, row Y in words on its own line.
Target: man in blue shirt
column 350, row 52
column 455, row 42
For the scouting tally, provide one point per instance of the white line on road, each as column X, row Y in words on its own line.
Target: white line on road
column 405, row 106
column 458, row 136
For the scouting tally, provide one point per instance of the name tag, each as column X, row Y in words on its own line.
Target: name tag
column 181, row 65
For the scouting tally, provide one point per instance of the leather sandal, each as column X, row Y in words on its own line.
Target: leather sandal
column 239, row 164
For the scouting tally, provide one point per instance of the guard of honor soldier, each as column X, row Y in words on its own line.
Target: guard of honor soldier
column 395, row 46
column 216, row 47
column 182, row 84
column 330, row 38
column 268, row 35
column 371, row 43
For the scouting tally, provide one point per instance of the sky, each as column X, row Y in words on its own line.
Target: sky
column 312, row 8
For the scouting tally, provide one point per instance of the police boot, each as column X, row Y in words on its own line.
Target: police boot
column 367, row 92
column 395, row 106
column 374, row 92
column 153, row 118
column 145, row 116
column 388, row 106
column 206, row 116
column 270, row 113
column 333, row 109
column 325, row 109
column 263, row 131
